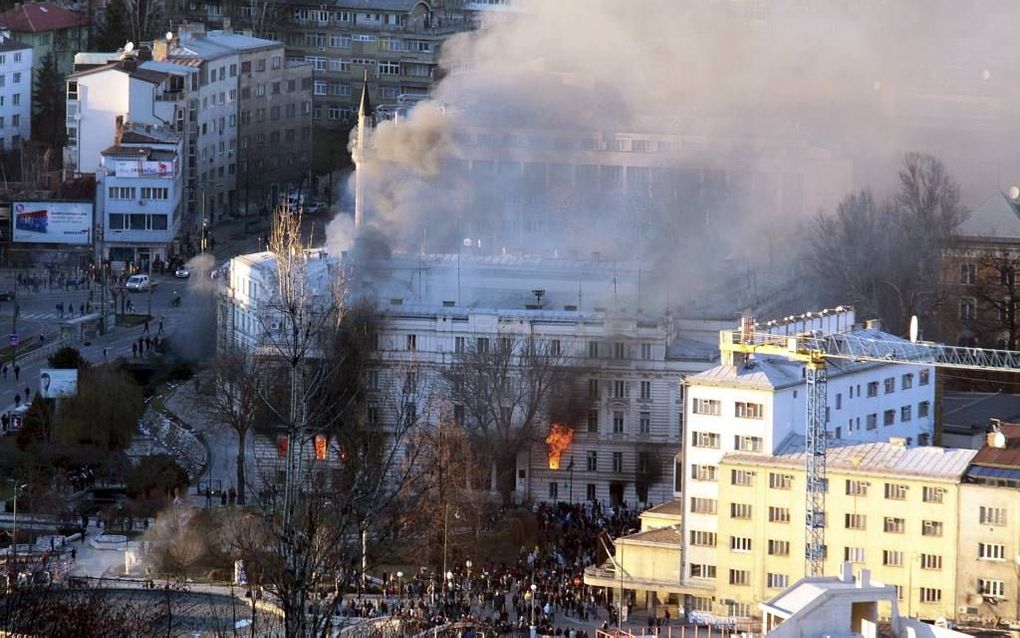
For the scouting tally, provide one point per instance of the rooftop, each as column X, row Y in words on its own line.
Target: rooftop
column 129, row 67
column 763, row 372
column 217, row 44
column 880, row 457
column 10, row 44
column 36, row 17
column 974, row 411
column 1007, row 457
column 998, row 217
column 674, row 507
column 806, row 591
column 381, row 5
column 659, row 536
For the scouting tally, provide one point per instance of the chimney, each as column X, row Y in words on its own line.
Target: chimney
column 160, row 50
column 846, row 572
column 873, row 324
column 995, row 438
column 864, row 579
column 118, row 132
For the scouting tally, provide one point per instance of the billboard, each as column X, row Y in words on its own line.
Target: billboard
column 54, row 383
column 139, row 168
column 53, row 222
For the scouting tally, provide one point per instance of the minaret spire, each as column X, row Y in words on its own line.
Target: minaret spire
column 364, row 116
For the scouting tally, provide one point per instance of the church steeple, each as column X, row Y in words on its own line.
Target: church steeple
column 365, row 105
column 365, row 121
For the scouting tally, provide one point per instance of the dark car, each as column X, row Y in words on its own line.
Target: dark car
column 6, row 295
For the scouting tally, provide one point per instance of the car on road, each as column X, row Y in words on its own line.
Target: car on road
column 222, row 270
column 182, row 273
column 138, row 283
column 6, row 295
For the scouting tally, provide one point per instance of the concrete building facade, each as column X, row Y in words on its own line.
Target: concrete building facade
column 16, row 60
column 48, row 28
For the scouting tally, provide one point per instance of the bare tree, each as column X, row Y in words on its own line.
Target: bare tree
column 503, row 386
column 994, row 319
column 884, row 257
column 235, row 398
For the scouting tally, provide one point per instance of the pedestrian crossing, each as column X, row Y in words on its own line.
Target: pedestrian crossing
column 44, row 316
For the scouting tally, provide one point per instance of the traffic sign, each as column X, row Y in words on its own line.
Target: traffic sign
column 14, row 338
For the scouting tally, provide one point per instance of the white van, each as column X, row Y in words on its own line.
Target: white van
column 138, row 283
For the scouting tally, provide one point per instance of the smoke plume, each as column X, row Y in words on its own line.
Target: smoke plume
column 691, row 136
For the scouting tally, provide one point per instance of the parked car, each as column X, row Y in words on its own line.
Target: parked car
column 138, row 283
column 6, row 295
column 182, row 273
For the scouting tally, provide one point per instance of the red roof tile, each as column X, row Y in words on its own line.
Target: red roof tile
column 40, row 16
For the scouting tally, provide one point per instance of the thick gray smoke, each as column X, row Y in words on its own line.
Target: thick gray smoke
column 691, row 133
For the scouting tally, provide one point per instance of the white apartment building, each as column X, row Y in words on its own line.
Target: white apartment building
column 124, row 89
column 139, row 187
column 754, row 405
column 15, row 92
column 627, row 365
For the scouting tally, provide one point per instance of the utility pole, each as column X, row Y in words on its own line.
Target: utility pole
column 14, row 325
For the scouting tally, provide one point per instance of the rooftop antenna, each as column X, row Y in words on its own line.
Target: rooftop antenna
column 538, row 296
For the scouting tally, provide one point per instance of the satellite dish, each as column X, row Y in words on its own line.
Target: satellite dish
column 1014, row 192
column 169, row 36
column 986, row 75
column 129, row 47
column 999, row 440
column 913, row 329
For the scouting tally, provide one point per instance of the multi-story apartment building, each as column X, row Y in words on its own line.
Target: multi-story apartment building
column 250, row 111
column 123, row 89
column 396, row 42
column 138, row 194
column 977, row 278
column 15, row 92
column 624, row 368
column 50, row 29
column 890, row 508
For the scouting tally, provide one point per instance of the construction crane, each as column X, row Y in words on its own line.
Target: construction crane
column 815, row 348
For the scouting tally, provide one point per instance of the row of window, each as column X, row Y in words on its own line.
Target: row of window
column 741, row 443
column 130, row 192
column 619, row 422
column 741, row 409
column 894, row 491
column 1003, row 308
column 482, row 344
column 137, row 221
column 3, row 58
column 1006, row 274
column 619, row 389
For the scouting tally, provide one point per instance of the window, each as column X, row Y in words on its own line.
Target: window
column 593, row 421
column 482, row 345
column 618, row 462
column 319, row 87
column 968, row 274
column 744, row 478
column 923, row 408
column 703, row 505
column 555, row 347
column 932, row 494
column 702, row 571
column 747, row 443
column 856, row 488
column 923, row 377
column 779, row 514
column 905, row 414
column 931, row 561
column 704, row 472
column 895, row 525
column 744, row 410
column 992, row 516
column 839, row 400
column 853, row 554
column 779, row 548
column 931, row 595
column 458, row 344
column 554, row 490
column 889, row 417
column 645, row 422
column 617, row 422
column 593, row 349
column 890, row 385
column 646, row 390
column 740, row 577
column 593, row 388
column 855, row 521
column 872, row 421
column 777, row 581
column 740, row 510
column 707, row 406
column 412, row 342
column 780, row 481
column 619, row 389
column 740, row 544
column 589, row 491
column 991, row 587
column 702, row 539
column 873, row 389
column 17, row 78
column 705, row 439
column 907, row 381
column 619, row 350
column 968, row 308
column 593, row 461
column 389, row 67
column 895, row 491
column 991, row 551
column 892, row 558
column 646, row 351
column 931, row 528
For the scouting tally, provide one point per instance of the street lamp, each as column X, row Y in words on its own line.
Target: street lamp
column 400, row 589
column 534, row 630
column 14, row 533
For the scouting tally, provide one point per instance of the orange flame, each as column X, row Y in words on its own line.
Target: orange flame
column 560, row 437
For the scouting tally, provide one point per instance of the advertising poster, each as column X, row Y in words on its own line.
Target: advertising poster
column 54, row 383
column 52, row 222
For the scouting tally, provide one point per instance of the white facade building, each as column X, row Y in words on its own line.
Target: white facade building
column 15, row 92
column 753, row 405
column 628, row 366
column 139, row 184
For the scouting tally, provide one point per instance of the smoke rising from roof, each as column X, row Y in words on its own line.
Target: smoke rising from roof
column 683, row 133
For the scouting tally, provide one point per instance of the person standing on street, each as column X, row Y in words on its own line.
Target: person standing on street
column 17, row 372
column 28, row 393
column 5, row 372
column 17, row 399
column 134, row 349
column 145, row 330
